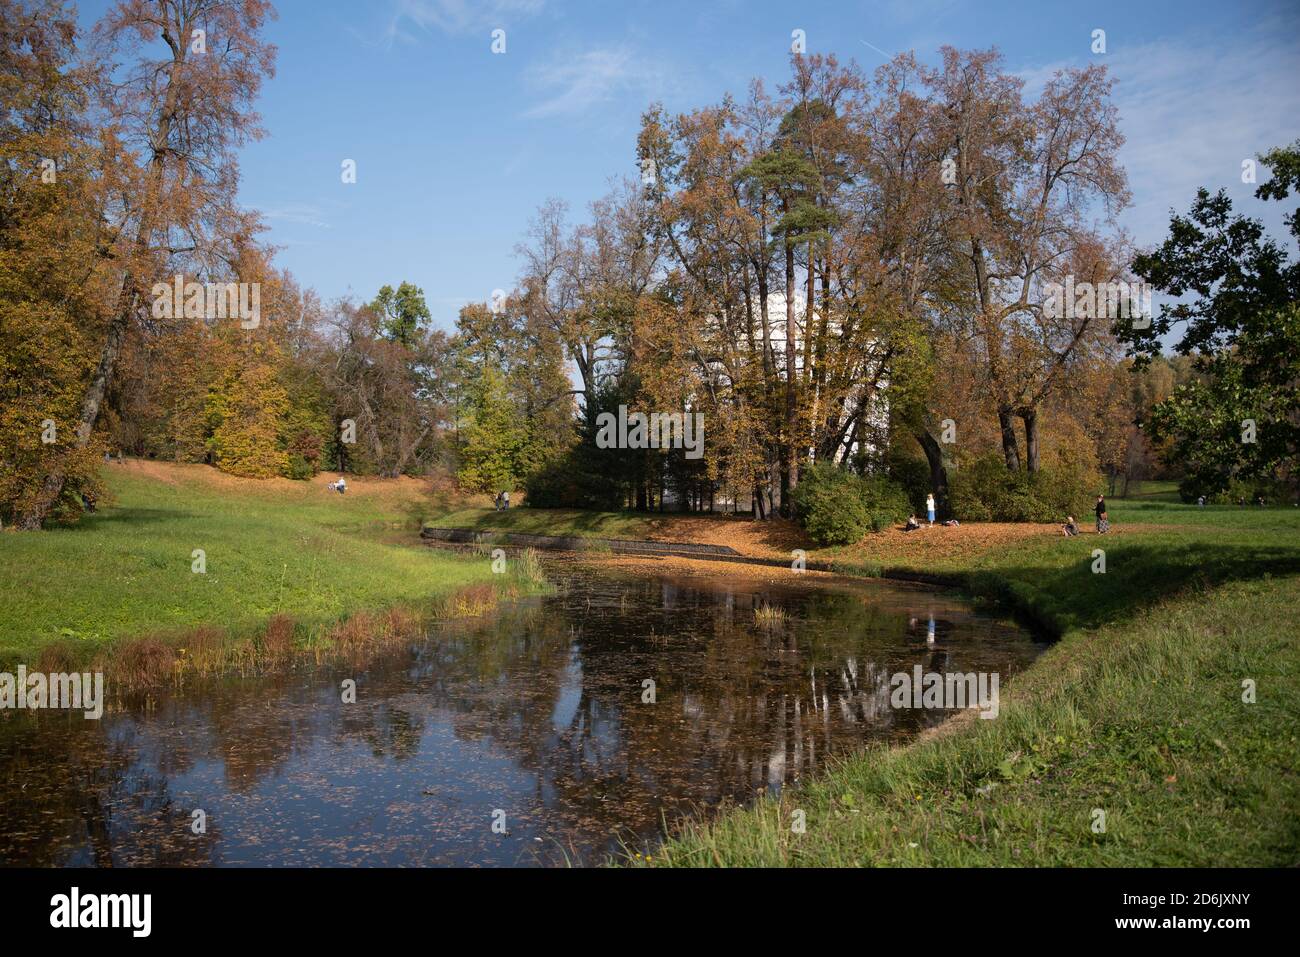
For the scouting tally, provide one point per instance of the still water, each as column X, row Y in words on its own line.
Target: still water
column 534, row 718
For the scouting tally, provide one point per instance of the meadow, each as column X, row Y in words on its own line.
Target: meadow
column 269, row 548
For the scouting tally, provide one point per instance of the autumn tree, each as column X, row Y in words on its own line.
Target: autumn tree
column 390, row 403
column 184, row 75
column 51, row 244
column 1026, row 180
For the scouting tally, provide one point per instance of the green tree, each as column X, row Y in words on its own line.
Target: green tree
column 494, row 443
column 1235, row 293
column 403, row 313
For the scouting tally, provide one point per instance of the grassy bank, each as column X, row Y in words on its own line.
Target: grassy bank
column 543, row 521
column 1144, row 722
column 1136, row 712
column 277, row 550
column 1158, row 548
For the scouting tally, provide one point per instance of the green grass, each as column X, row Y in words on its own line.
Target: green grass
column 1051, row 580
column 1144, row 722
column 1136, row 711
column 295, row 550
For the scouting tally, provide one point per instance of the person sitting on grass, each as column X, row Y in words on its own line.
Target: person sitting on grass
column 1103, row 520
column 1070, row 528
column 912, row 524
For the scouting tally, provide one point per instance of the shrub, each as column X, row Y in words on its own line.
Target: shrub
column 913, row 475
column 299, row 468
column 837, row 507
column 829, row 504
column 986, row 491
column 1273, row 491
column 887, row 502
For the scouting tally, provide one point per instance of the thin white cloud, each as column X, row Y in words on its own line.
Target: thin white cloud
column 1191, row 112
column 572, row 85
column 303, row 214
column 1191, row 109
column 455, row 17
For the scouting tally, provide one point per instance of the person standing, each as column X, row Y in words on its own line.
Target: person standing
column 1103, row 520
column 929, row 507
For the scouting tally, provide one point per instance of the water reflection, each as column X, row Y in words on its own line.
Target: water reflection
column 537, row 713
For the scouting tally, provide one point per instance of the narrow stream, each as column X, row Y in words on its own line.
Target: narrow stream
column 535, row 719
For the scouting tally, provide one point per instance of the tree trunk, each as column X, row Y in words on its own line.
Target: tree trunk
column 783, row 472
column 1009, row 448
column 790, row 460
column 934, row 455
column 1030, row 418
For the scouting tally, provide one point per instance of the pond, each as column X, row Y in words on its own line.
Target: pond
column 532, row 737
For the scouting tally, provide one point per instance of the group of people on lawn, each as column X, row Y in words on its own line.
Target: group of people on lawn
column 1103, row 520
column 1070, row 528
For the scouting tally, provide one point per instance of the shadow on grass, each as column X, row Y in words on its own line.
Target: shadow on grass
column 1059, row 598
column 126, row 516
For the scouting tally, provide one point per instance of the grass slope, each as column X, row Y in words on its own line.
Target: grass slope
column 274, row 547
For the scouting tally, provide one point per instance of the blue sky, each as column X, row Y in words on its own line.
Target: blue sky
column 456, row 146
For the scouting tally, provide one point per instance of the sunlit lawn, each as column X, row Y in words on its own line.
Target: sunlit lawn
column 290, row 548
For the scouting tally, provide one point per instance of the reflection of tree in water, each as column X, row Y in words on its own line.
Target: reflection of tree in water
column 389, row 730
column 555, row 687
column 739, row 708
column 94, row 805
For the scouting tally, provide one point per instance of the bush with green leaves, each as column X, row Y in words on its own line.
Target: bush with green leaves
column 985, row 490
column 1247, row 491
column 837, row 507
column 913, row 475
